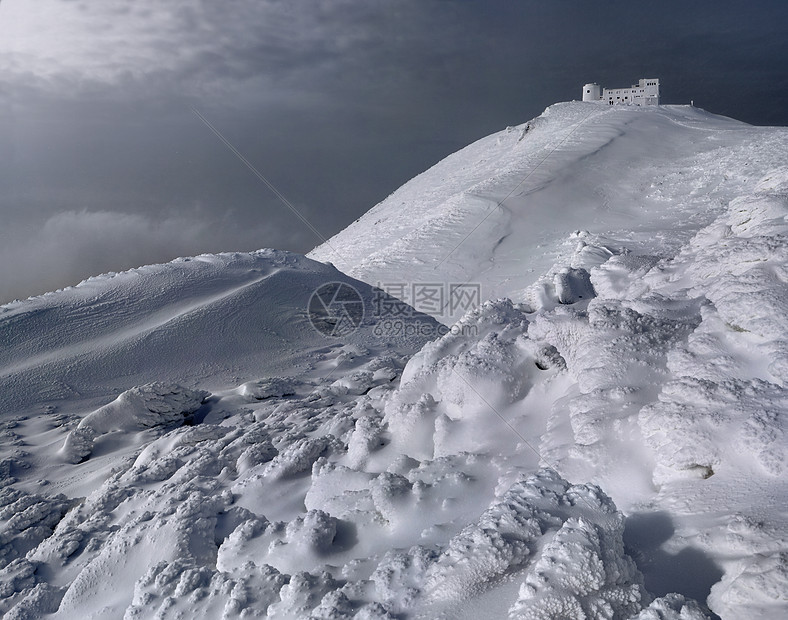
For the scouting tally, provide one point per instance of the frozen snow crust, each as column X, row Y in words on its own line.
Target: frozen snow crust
column 604, row 438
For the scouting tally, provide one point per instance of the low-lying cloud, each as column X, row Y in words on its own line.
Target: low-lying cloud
column 74, row 245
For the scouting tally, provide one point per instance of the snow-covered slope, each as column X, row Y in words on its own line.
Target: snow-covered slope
column 608, row 442
column 211, row 319
column 499, row 212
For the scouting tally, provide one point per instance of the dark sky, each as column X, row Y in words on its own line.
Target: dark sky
column 336, row 102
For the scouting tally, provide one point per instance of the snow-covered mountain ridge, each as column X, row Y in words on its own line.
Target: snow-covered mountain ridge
column 608, row 442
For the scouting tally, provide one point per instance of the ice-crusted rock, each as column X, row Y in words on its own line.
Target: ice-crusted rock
column 573, row 285
column 695, row 419
column 616, row 351
column 498, row 317
column 140, row 408
column 453, row 385
column 180, row 518
column 581, row 573
column 26, row 520
column 39, row 601
column 179, row 589
column 391, row 502
column 739, row 263
column 16, row 576
column 230, row 552
column 569, row 281
column 299, row 456
column 719, row 397
column 359, row 382
column 335, row 605
column 78, row 445
column 392, row 496
column 399, row 577
column 302, row 594
column 582, row 568
column 672, row 607
column 255, row 455
column 367, row 437
column 315, row 531
column 340, row 490
column 269, row 387
column 306, row 541
column 412, row 425
column 146, row 406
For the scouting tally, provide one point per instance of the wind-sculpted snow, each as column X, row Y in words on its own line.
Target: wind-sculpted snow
column 583, row 561
column 194, row 537
column 140, row 408
column 737, row 267
column 688, row 351
column 603, row 437
column 302, row 505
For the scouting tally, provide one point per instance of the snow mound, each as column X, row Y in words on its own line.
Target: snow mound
column 455, row 385
column 140, row 408
column 269, row 387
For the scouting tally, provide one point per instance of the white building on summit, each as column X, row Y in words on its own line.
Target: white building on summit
column 645, row 92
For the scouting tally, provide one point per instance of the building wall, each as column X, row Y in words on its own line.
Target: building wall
column 592, row 92
column 645, row 92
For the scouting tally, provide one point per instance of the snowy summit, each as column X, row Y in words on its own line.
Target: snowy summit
column 545, row 379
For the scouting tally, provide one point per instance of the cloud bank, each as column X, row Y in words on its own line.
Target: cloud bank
column 73, row 245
